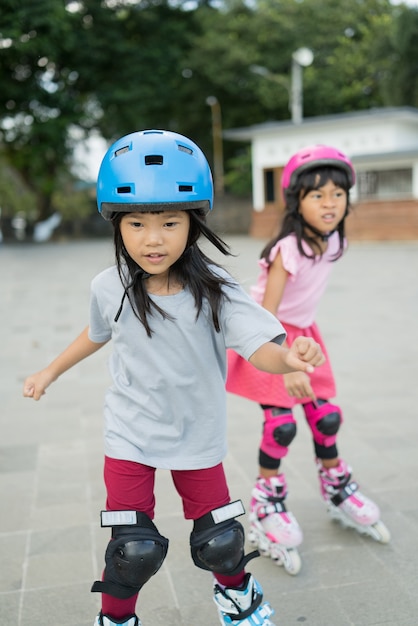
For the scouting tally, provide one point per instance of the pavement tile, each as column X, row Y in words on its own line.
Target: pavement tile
column 51, row 487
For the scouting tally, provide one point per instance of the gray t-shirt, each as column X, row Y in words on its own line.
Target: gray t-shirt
column 166, row 406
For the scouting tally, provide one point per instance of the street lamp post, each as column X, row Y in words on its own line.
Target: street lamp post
column 302, row 57
column 218, row 159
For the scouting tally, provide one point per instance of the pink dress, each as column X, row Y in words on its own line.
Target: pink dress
column 304, row 288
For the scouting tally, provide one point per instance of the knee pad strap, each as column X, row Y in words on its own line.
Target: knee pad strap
column 218, row 546
column 134, row 554
column 278, row 432
column 324, row 421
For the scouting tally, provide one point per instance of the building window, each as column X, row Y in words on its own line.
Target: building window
column 269, row 192
column 385, row 184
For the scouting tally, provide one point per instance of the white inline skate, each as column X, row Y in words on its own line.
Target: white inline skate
column 273, row 529
column 347, row 505
column 243, row 606
column 104, row 620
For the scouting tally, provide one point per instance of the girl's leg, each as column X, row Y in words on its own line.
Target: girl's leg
column 130, row 487
column 203, row 491
column 273, row 529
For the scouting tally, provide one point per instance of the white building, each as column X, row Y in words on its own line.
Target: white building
column 383, row 145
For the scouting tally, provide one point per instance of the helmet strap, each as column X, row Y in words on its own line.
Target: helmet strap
column 139, row 273
column 315, row 231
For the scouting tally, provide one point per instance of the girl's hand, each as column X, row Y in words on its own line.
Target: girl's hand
column 35, row 386
column 82, row 347
column 298, row 385
column 304, row 355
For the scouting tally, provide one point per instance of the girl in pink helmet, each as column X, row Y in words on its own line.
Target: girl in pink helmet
column 294, row 271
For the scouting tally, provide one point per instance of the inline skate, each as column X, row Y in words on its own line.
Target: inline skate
column 273, row 529
column 242, row 606
column 347, row 505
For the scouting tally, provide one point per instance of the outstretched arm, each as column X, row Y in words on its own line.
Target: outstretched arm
column 304, row 355
column 82, row 347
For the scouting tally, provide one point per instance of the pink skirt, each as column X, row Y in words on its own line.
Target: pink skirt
column 247, row 381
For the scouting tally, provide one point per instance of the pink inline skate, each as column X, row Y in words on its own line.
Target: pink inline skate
column 347, row 505
column 274, row 530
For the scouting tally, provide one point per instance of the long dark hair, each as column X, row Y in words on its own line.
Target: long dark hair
column 293, row 221
column 192, row 269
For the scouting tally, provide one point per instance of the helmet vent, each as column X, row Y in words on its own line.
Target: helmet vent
column 185, row 187
column 126, row 189
column 154, row 159
column 122, row 151
column 185, row 149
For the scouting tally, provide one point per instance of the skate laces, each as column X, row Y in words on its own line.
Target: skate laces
column 269, row 495
column 273, row 489
column 334, row 478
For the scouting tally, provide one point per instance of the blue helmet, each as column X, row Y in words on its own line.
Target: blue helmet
column 153, row 170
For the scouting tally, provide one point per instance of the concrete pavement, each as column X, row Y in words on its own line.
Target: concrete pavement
column 51, row 488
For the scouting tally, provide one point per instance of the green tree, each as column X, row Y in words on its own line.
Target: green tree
column 38, row 94
column 400, row 80
column 343, row 36
column 14, row 196
column 117, row 66
column 113, row 66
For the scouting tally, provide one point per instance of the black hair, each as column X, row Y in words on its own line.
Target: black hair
column 192, row 269
column 293, row 221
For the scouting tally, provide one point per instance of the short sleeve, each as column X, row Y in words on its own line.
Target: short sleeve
column 99, row 329
column 246, row 325
column 289, row 253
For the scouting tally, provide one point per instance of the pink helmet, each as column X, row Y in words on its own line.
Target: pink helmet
column 314, row 156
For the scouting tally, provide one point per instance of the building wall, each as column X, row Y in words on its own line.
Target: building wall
column 384, row 221
column 368, row 221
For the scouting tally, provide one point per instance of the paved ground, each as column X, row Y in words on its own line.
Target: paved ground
column 51, row 489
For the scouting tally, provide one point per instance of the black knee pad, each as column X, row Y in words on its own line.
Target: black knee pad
column 134, row 554
column 279, row 430
column 324, row 419
column 330, row 424
column 217, row 541
column 285, row 433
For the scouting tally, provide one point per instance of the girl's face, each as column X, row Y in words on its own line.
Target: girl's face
column 155, row 241
column 324, row 208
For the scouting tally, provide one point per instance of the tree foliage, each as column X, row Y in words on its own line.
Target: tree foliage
column 115, row 66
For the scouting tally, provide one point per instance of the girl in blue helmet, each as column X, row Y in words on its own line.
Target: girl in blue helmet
column 171, row 313
column 294, row 270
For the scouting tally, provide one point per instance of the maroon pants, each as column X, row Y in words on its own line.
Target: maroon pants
column 130, row 486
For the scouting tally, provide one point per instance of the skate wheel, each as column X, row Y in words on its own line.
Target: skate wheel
column 380, row 532
column 290, row 560
column 257, row 540
column 293, row 562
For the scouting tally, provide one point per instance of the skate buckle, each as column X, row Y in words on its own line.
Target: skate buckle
column 345, row 493
column 269, row 509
